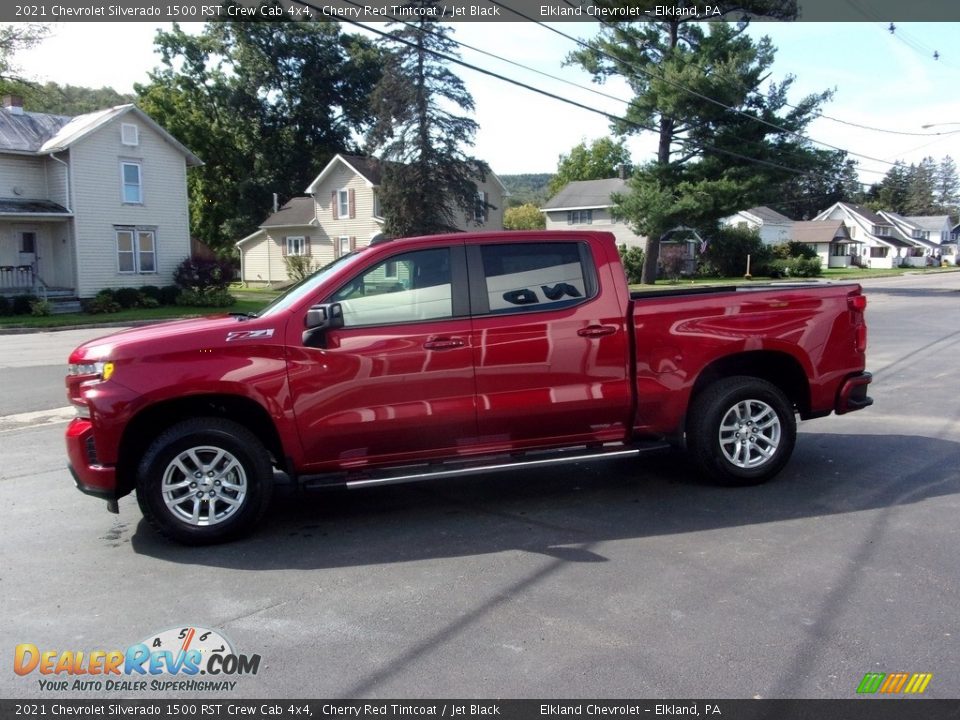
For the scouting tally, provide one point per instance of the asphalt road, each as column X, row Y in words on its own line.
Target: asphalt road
column 615, row 579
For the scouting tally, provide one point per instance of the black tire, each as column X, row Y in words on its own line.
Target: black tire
column 205, row 481
column 734, row 454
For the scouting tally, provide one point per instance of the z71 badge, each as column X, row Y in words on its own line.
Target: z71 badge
column 249, row 335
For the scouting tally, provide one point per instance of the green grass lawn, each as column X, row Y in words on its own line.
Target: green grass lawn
column 171, row 312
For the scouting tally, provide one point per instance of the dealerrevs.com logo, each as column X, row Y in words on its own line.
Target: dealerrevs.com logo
column 168, row 661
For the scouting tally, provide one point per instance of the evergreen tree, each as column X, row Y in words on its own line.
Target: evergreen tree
column 948, row 187
column 892, row 191
column 429, row 182
column 921, row 185
column 711, row 161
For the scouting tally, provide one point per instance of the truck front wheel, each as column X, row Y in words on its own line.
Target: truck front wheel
column 204, row 481
column 741, row 431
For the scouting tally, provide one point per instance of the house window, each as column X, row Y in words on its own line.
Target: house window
column 132, row 185
column 580, row 217
column 343, row 203
column 28, row 243
column 480, row 208
column 879, row 252
column 390, row 270
column 882, row 230
column 376, row 205
column 343, row 245
column 129, row 134
column 296, row 245
column 136, row 251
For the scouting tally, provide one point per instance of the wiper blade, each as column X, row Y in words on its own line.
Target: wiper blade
column 243, row 315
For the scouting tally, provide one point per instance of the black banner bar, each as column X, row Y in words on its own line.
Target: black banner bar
column 458, row 11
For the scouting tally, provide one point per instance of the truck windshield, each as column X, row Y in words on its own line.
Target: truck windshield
column 306, row 286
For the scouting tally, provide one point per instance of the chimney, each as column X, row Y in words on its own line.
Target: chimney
column 276, row 205
column 13, row 104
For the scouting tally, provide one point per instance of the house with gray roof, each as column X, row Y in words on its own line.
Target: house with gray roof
column 588, row 205
column 884, row 239
column 830, row 238
column 89, row 202
column 772, row 227
column 339, row 213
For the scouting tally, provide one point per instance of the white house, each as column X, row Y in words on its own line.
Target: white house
column 772, row 227
column 89, row 202
column 831, row 239
column 588, row 205
column 879, row 236
column 340, row 212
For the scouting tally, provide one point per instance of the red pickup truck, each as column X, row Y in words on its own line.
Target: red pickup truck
column 437, row 356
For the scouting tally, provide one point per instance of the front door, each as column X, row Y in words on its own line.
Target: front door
column 396, row 382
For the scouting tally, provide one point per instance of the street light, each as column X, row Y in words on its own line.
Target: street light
column 930, row 125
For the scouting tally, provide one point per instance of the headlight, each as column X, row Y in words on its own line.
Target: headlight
column 100, row 370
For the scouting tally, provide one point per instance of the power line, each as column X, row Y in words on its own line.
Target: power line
column 695, row 93
column 609, row 116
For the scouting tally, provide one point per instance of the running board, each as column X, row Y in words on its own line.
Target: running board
column 460, row 468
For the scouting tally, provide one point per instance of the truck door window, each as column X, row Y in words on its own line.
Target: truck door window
column 411, row 287
column 535, row 276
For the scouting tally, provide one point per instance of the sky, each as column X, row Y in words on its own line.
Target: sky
column 881, row 80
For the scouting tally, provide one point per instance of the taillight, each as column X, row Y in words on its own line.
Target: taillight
column 857, row 302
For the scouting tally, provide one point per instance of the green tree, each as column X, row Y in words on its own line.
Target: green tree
column 891, row 193
column 524, row 217
column 729, row 247
column 15, row 37
column 604, row 158
column 686, row 76
column 947, row 187
column 264, row 105
column 921, row 187
column 429, row 181
column 72, row 99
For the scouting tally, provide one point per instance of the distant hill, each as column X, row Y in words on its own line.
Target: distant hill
column 527, row 188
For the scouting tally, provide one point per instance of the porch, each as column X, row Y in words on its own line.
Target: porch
column 36, row 257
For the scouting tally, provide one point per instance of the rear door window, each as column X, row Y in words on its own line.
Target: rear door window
column 525, row 277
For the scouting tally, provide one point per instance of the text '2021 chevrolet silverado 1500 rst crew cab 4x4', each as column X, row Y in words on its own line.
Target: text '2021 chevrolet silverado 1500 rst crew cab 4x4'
column 437, row 356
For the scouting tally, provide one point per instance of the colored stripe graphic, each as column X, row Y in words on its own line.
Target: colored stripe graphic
column 918, row 683
column 871, row 682
column 893, row 683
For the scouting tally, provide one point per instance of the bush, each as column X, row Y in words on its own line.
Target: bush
column 152, row 291
column 793, row 249
column 103, row 302
column 299, row 266
column 21, row 304
column 127, row 297
column 202, row 276
column 5, row 308
column 632, row 259
column 797, row 267
column 729, row 248
column 149, row 302
column 41, row 308
column 212, row 298
column 168, row 294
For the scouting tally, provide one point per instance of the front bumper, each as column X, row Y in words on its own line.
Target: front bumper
column 853, row 394
column 90, row 476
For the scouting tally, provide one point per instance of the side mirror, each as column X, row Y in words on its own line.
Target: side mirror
column 321, row 318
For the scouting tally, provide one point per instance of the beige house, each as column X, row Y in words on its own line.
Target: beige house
column 89, row 202
column 588, row 205
column 340, row 213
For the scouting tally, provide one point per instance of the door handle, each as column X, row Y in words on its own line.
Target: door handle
column 593, row 331
column 444, row 343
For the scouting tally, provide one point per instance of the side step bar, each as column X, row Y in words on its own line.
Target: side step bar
column 476, row 466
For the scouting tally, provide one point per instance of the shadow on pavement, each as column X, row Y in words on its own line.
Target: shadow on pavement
column 547, row 511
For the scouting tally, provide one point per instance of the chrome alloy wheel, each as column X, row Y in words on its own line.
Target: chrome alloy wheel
column 204, row 486
column 750, row 434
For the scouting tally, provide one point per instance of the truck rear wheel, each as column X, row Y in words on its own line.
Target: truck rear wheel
column 205, row 481
column 741, row 431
